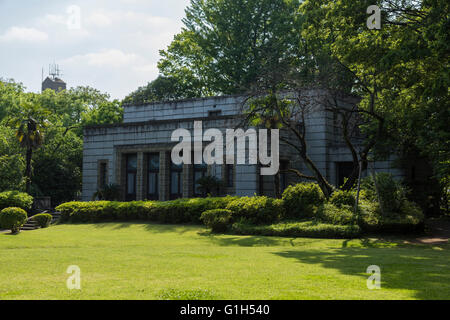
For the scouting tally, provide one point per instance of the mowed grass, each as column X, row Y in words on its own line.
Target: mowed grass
column 150, row 261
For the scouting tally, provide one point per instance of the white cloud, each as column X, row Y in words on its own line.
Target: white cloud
column 22, row 34
column 107, row 58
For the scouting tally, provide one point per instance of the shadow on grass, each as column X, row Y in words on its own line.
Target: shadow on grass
column 148, row 226
column 421, row 269
column 246, row 241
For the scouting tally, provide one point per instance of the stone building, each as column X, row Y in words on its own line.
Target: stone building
column 54, row 83
column 136, row 153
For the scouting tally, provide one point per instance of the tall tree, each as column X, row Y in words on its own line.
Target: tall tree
column 30, row 122
column 225, row 46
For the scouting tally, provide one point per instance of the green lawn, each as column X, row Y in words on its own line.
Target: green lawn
column 148, row 261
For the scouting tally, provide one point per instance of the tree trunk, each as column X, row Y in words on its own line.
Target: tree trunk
column 28, row 170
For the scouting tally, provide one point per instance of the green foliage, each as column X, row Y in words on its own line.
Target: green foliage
column 12, row 164
column 161, row 89
column 302, row 200
column 257, row 210
column 341, row 198
column 226, row 47
column 217, row 219
column 330, row 213
column 311, row 229
column 176, row 211
column 391, row 192
column 15, row 199
column 13, row 218
column 110, row 192
column 43, row 219
column 210, row 185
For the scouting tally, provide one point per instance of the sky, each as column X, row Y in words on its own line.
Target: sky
column 110, row 45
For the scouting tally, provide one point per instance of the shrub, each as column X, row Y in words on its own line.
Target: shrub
column 257, row 210
column 341, row 198
column 391, row 192
column 13, row 218
column 330, row 213
column 312, row 229
column 43, row 219
column 176, row 211
column 302, row 200
column 15, row 199
column 217, row 219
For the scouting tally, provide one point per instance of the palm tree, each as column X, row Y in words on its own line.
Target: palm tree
column 30, row 123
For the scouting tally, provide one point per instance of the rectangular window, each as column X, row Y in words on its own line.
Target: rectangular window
column 176, row 181
column 131, row 171
column 230, row 175
column 103, row 175
column 199, row 172
column 284, row 165
column 153, row 176
column 214, row 113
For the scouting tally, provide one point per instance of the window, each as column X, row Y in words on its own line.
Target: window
column 131, row 170
column 103, row 181
column 199, row 172
column 176, row 181
column 343, row 171
column 153, row 176
column 214, row 113
column 284, row 165
column 229, row 175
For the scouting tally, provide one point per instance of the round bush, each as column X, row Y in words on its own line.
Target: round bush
column 302, row 200
column 15, row 199
column 341, row 198
column 43, row 219
column 217, row 219
column 13, row 218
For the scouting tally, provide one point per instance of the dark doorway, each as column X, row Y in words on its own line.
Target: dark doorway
column 343, row 171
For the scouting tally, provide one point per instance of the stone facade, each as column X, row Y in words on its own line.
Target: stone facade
column 147, row 129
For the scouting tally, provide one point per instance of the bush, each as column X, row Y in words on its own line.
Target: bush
column 217, row 219
column 176, row 211
column 391, row 192
column 43, row 219
column 257, row 210
column 13, row 218
column 15, row 199
column 330, row 213
column 310, row 229
column 341, row 198
column 302, row 200
column 409, row 219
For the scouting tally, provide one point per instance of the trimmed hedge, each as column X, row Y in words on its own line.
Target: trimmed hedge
column 15, row 199
column 43, row 219
column 12, row 219
column 311, row 229
column 176, row 211
column 302, row 200
column 217, row 219
column 257, row 210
